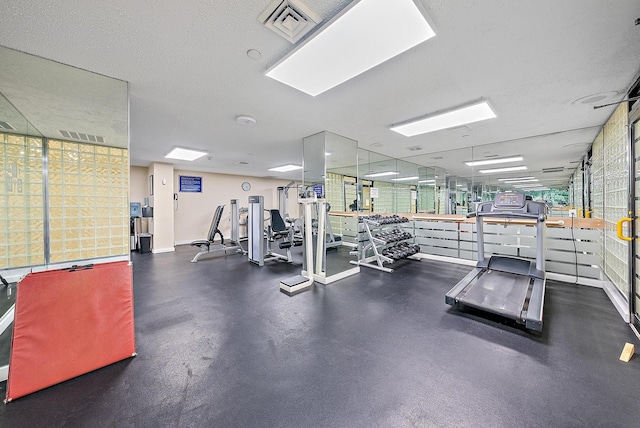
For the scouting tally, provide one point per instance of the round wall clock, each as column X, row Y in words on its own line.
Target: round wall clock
column 246, row 186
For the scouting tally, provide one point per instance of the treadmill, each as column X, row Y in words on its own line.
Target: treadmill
column 506, row 286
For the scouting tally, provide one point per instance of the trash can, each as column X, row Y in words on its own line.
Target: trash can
column 145, row 242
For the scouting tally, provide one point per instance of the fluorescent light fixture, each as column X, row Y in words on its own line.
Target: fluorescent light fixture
column 527, row 186
column 427, row 181
column 533, row 189
column 405, row 179
column 285, row 168
column 185, row 154
column 365, row 34
column 532, row 180
column 461, row 116
column 496, row 170
column 327, row 154
column 381, row 174
column 494, row 161
column 515, row 178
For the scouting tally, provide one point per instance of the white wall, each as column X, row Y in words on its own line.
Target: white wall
column 161, row 225
column 192, row 212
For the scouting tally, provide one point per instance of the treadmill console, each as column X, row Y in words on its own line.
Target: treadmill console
column 512, row 204
column 509, row 200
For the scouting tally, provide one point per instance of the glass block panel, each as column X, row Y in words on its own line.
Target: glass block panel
column 20, row 190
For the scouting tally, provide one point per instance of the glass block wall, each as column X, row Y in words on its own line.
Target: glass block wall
column 88, row 188
column 21, row 202
column 384, row 203
column 402, row 196
column 577, row 192
column 597, row 183
column 334, row 191
column 616, row 199
column 88, row 196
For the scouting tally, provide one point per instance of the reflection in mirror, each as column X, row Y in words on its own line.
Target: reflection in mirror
column 522, row 172
column 331, row 164
column 405, row 188
column 12, row 121
column 64, row 145
column 377, row 185
column 64, row 102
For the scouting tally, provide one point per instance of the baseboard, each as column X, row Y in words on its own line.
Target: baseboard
column 445, row 259
column 618, row 300
column 163, row 250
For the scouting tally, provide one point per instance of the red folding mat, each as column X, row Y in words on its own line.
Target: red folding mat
column 69, row 322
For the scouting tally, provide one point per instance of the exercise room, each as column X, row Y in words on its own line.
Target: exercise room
column 305, row 213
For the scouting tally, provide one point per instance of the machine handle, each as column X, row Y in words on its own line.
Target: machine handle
column 470, row 215
column 619, row 228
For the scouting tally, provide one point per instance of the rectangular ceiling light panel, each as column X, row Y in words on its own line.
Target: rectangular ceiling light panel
column 516, row 178
column 381, row 174
column 364, row 35
column 185, row 154
column 494, row 161
column 496, row 170
column 462, row 116
column 285, row 168
column 405, row 179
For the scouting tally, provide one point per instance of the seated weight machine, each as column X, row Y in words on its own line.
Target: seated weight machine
column 207, row 246
column 311, row 270
column 277, row 231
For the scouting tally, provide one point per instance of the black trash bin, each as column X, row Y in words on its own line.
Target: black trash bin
column 145, row 242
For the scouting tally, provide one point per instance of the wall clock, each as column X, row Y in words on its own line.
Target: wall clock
column 246, row 186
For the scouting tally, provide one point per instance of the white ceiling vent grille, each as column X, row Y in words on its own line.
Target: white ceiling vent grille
column 72, row 135
column 290, row 19
column 6, row 126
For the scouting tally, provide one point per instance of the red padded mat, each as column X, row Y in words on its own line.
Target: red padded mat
column 68, row 323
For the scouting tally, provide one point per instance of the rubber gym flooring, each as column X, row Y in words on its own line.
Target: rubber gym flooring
column 219, row 346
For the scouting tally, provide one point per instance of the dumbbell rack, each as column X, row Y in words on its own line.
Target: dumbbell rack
column 375, row 244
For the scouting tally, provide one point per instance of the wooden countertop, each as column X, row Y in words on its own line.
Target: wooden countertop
column 580, row 223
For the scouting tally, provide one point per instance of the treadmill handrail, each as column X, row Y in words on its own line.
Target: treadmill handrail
column 541, row 217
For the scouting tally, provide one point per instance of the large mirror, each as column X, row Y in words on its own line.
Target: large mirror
column 70, row 126
column 331, row 171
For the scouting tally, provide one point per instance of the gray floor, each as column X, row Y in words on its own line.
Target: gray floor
column 219, row 346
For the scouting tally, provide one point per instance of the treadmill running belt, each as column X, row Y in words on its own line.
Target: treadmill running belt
column 497, row 292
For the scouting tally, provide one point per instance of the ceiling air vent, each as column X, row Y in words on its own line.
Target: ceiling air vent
column 555, row 169
column 72, row 135
column 290, row 19
column 414, row 148
column 6, row 126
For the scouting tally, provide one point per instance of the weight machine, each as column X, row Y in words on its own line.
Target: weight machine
column 277, row 231
column 311, row 270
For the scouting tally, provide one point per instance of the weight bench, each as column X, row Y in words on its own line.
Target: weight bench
column 208, row 246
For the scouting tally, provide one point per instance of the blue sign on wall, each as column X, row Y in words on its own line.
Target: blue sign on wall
column 135, row 209
column 318, row 190
column 190, row 184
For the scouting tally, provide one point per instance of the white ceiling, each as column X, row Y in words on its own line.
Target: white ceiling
column 190, row 76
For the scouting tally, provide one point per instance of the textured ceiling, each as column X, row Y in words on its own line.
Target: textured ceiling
column 190, row 77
